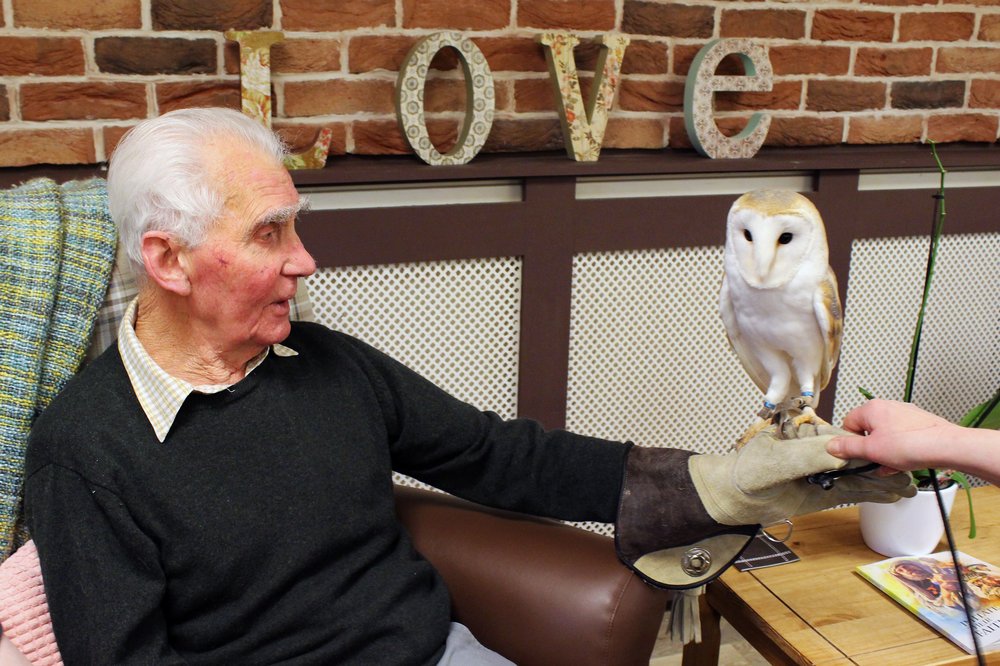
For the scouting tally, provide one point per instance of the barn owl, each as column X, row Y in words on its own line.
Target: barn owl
column 779, row 302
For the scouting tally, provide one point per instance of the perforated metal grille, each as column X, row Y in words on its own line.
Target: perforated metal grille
column 959, row 364
column 454, row 322
column 649, row 360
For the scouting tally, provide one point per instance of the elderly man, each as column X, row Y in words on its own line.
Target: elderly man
column 216, row 488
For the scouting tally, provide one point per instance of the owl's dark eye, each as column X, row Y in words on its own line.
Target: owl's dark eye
column 785, row 238
column 747, row 235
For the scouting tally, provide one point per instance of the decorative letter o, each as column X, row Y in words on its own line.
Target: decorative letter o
column 479, row 95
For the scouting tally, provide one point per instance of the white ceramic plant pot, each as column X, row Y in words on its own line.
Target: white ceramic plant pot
column 911, row 526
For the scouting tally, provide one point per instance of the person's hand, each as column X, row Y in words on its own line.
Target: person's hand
column 765, row 481
column 900, row 436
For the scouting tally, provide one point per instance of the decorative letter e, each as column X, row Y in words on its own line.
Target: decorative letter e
column 699, row 102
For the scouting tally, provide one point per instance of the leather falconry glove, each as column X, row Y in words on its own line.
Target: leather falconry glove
column 684, row 517
column 766, row 481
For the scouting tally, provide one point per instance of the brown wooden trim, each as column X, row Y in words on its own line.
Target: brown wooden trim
column 352, row 169
column 546, row 296
column 656, row 222
column 417, row 233
column 348, row 169
column 910, row 212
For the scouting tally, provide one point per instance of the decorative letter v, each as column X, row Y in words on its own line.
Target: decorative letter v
column 583, row 127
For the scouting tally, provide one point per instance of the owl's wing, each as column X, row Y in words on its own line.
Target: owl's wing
column 739, row 342
column 830, row 317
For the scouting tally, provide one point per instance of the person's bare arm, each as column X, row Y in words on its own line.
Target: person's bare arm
column 901, row 436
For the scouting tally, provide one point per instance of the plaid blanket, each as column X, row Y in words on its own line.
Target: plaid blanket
column 57, row 247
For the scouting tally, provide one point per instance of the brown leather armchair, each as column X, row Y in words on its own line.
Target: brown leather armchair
column 537, row 591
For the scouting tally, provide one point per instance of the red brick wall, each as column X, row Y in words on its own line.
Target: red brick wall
column 76, row 75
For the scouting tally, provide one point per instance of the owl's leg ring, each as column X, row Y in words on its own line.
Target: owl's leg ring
column 806, row 402
column 766, row 412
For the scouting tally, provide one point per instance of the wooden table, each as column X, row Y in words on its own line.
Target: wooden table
column 819, row 611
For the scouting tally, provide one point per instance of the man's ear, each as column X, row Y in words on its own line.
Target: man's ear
column 165, row 264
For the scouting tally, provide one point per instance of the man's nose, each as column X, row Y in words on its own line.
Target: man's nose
column 299, row 263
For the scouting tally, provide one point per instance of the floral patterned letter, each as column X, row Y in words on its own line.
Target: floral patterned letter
column 255, row 87
column 583, row 126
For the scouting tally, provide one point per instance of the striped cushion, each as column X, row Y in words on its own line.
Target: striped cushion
column 57, row 245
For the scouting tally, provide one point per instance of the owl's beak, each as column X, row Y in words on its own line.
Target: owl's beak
column 763, row 260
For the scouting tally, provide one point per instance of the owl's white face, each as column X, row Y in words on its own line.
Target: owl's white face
column 770, row 243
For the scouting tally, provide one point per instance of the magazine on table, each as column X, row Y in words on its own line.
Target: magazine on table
column 926, row 585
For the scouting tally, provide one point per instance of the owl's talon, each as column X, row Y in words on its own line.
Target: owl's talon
column 807, row 419
column 751, row 432
column 808, row 415
column 792, row 427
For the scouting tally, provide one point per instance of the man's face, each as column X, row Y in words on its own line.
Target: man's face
column 248, row 266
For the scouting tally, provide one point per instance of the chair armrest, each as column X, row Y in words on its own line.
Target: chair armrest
column 537, row 591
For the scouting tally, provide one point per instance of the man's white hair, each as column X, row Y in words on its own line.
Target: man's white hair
column 158, row 176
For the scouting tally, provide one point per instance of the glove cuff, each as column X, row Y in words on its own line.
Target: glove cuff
column 663, row 531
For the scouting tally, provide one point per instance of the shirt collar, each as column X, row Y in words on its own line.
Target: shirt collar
column 161, row 394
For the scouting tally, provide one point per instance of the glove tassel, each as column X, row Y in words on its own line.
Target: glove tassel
column 685, row 616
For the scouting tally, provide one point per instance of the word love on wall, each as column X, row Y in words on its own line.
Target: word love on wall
column 583, row 123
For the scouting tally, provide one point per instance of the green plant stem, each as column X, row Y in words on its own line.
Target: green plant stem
column 938, row 226
column 963, row 481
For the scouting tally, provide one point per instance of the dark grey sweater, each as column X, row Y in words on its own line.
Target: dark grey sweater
column 263, row 530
